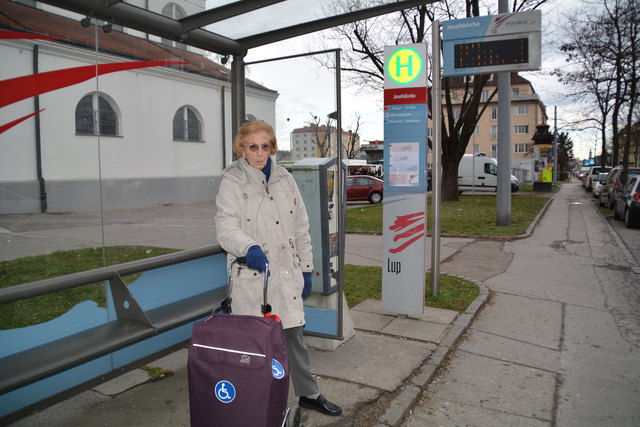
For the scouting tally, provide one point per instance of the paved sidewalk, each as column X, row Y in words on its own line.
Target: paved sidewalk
column 556, row 343
column 559, row 342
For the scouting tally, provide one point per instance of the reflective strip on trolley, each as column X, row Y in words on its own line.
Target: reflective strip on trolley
column 229, row 350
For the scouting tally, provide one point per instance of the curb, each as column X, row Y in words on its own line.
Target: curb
column 635, row 268
column 419, row 381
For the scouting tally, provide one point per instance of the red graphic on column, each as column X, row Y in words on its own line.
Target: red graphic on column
column 407, row 234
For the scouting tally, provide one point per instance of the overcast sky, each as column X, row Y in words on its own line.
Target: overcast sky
column 306, row 89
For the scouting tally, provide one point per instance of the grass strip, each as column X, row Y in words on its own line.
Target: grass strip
column 470, row 216
column 365, row 282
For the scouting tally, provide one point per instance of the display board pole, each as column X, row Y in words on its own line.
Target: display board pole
column 503, row 194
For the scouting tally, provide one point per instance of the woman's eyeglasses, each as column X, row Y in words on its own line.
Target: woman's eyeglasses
column 254, row 147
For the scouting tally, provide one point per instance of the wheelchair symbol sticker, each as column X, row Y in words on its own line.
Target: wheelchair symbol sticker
column 225, row 391
column 277, row 370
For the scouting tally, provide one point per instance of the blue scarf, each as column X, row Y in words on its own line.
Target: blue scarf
column 267, row 169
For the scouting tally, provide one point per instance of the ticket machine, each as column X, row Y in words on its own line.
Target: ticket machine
column 317, row 179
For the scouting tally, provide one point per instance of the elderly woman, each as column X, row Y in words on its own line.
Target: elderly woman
column 261, row 215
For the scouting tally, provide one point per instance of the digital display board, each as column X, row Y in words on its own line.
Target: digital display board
column 492, row 44
column 489, row 53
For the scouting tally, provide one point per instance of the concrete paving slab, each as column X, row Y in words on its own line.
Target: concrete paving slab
column 348, row 395
column 123, row 382
column 13, row 246
column 163, row 403
column 59, row 414
column 512, row 350
column 483, row 259
column 436, row 315
column 436, row 412
column 377, row 361
column 601, row 382
column 370, row 321
column 416, row 329
column 535, row 321
column 172, row 361
column 544, row 273
column 478, row 381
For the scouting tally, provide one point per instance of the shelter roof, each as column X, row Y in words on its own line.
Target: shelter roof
column 231, row 27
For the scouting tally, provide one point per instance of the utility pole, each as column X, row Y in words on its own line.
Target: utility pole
column 555, row 144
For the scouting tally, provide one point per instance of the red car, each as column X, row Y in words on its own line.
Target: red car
column 364, row 187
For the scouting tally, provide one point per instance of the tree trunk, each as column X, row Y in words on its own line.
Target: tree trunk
column 450, row 181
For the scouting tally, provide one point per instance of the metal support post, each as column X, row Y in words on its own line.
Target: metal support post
column 436, row 153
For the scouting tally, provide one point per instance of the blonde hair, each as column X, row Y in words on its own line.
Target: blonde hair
column 252, row 127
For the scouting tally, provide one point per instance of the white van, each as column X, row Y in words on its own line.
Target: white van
column 480, row 173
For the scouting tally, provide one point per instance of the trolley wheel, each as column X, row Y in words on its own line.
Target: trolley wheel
column 293, row 417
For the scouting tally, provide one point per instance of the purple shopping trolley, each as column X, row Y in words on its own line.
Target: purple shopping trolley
column 238, row 369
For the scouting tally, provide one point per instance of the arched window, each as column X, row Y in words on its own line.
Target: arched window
column 176, row 12
column 95, row 115
column 187, row 125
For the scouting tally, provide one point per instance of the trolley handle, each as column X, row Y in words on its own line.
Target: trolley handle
column 265, row 308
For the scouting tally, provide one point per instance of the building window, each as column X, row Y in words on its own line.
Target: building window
column 456, row 114
column 522, row 110
column 186, row 125
column 521, row 129
column 476, row 131
column 476, row 148
column 494, row 113
column 521, row 148
column 484, row 96
column 515, row 91
column 494, row 150
column 176, row 12
column 95, row 115
column 494, row 132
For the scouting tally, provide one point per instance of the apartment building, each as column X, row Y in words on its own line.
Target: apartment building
column 527, row 111
column 314, row 141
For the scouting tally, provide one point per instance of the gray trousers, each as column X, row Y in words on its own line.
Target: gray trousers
column 299, row 365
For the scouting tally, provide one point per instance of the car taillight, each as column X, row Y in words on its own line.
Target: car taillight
column 615, row 186
column 635, row 197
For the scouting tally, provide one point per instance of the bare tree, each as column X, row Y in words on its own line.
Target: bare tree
column 352, row 144
column 322, row 134
column 364, row 42
column 603, row 52
column 589, row 77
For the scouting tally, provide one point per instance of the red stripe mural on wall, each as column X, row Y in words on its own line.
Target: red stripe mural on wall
column 19, row 88
column 21, row 119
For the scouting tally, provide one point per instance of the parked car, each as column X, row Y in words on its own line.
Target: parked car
column 364, row 187
column 591, row 175
column 627, row 204
column 597, row 184
column 581, row 173
column 613, row 185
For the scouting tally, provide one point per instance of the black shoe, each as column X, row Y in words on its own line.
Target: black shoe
column 321, row 404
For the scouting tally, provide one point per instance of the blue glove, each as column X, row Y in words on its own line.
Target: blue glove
column 306, row 291
column 256, row 259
